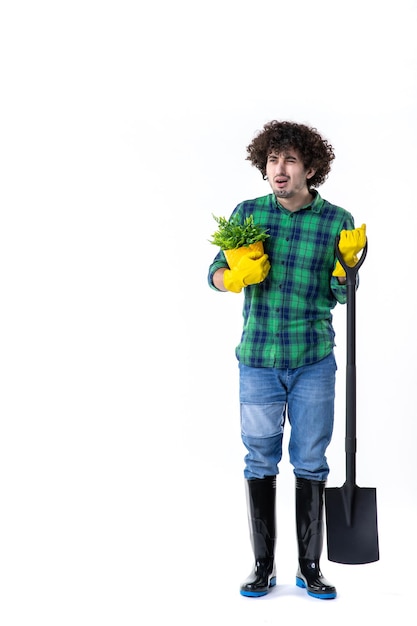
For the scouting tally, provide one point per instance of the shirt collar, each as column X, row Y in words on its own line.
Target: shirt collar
column 315, row 205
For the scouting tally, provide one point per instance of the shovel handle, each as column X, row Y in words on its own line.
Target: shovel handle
column 350, row 271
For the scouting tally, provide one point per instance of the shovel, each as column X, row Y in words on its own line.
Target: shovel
column 351, row 514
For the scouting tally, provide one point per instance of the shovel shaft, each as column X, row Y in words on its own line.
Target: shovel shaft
column 350, row 436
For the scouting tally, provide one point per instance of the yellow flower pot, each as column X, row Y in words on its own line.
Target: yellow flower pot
column 233, row 256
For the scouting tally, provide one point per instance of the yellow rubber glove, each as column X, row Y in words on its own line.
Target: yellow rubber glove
column 250, row 270
column 351, row 242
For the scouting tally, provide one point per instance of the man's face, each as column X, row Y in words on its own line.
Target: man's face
column 286, row 174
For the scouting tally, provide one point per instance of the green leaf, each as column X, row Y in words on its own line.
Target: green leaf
column 231, row 234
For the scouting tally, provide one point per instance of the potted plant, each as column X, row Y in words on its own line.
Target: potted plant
column 237, row 239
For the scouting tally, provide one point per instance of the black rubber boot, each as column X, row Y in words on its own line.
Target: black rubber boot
column 261, row 513
column 309, row 496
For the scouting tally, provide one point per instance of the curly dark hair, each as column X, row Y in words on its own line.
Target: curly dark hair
column 314, row 151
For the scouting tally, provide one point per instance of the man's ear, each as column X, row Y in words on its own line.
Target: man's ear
column 310, row 173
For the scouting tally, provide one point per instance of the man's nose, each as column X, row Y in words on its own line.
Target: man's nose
column 280, row 166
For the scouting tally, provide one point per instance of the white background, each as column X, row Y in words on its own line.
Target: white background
column 123, row 128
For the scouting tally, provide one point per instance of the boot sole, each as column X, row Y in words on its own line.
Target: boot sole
column 258, row 594
column 321, row 596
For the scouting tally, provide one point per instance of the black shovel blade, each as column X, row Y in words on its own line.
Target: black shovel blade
column 352, row 527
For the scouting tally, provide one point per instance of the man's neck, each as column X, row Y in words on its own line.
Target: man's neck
column 296, row 202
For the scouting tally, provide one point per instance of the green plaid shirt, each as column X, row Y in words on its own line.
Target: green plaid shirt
column 287, row 320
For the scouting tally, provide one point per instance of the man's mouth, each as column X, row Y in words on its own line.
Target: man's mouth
column 281, row 181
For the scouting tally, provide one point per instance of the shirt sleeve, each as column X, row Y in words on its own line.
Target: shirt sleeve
column 218, row 262
column 339, row 291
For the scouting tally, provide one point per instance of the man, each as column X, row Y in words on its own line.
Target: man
column 286, row 363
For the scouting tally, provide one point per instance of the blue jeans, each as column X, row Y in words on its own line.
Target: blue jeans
column 305, row 396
